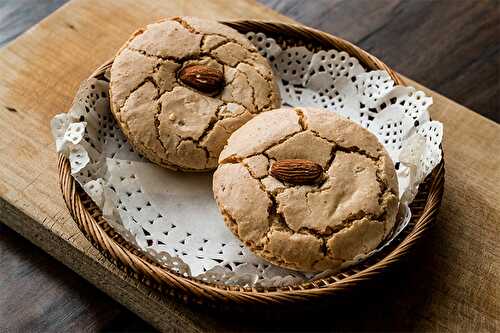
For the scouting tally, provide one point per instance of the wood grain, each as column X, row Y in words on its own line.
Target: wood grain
column 336, row 16
column 449, row 46
column 43, row 295
column 451, row 284
column 16, row 16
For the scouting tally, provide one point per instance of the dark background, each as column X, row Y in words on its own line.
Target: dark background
column 450, row 46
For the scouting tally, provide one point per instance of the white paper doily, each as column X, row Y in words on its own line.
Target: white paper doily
column 172, row 216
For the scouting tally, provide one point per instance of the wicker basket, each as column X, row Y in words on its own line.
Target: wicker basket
column 89, row 218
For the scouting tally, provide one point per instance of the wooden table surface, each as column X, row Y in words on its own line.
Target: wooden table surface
column 450, row 284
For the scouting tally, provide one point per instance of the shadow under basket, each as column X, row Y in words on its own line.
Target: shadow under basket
column 90, row 221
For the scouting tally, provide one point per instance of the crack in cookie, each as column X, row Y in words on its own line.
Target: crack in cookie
column 207, row 42
column 287, row 224
column 157, row 126
column 190, row 28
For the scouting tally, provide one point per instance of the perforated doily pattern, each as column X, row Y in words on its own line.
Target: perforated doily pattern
column 337, row 82
column 172, row 216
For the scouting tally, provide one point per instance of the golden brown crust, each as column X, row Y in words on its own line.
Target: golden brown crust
column 309, row 227
column 153, row 56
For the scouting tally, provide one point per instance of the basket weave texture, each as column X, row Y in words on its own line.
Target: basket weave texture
column 90, row 221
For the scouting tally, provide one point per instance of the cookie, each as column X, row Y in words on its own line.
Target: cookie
column 306, row 189
column 181, row 86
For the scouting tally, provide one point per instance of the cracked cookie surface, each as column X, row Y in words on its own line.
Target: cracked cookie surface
column 175, row 125
column 307, row 227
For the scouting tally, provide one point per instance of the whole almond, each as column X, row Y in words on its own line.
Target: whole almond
column 296, row 171
column 205, row 79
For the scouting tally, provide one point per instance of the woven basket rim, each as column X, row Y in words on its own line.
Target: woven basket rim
column 191, row 289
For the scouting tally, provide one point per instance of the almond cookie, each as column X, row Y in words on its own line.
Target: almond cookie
column 306, row 189
column 181, row 86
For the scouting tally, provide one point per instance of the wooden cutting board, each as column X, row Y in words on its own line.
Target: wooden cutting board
column 454, row 287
